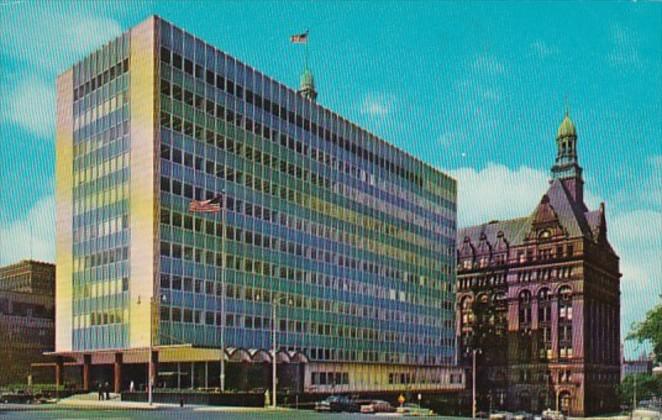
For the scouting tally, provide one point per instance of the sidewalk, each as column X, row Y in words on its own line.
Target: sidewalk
column 91, row 401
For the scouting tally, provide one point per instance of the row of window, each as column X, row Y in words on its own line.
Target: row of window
column 217, row 81
column 256, row 157
column 101, row 79
column 191, row 192
column 329, row 378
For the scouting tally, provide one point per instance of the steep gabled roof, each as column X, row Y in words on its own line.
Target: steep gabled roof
column 557, row 204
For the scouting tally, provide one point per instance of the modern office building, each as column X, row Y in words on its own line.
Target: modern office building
column 27, row 327
column 349, row 240
column 539, row 298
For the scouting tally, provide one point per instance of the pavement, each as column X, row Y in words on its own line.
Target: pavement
column 91, row 402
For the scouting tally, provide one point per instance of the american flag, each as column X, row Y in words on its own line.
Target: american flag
column 299, row 38
column 212, row 205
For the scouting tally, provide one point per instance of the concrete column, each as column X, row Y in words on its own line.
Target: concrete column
column 192, row 375
column 59, row 367
column 206, row 374
column 87, row 361
column 117, row 374
column 154, row 374
column 179, row 375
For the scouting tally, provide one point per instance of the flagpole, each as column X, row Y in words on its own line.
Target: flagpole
column 306, row 52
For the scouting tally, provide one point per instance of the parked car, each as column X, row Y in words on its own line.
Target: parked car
column 501, row 415
column 377, row 406
column 411, row 409
column 521, row 415
column 646, row 414
column 552, row 415
column 325, row 404
column 345, row 404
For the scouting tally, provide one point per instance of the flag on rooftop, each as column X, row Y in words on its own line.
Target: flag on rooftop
column 299, row 38
column 212, row 205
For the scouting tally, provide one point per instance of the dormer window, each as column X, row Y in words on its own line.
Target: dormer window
column 544, row 234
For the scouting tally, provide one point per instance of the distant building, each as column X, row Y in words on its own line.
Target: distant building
column 539, row 296
column 641, row 366
column 350, row 240
column 26, row 318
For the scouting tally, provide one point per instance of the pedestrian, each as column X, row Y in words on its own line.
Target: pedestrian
column 132, row 387
column 100, row 391
column 107, row 390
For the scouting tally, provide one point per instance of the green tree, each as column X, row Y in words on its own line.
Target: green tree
column 650, row 329
column 648, row 386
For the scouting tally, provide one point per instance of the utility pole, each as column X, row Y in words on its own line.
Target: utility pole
column 223, row 262
column 273, row 356
column 473, row 384
column 634, row 396
column 149, row 356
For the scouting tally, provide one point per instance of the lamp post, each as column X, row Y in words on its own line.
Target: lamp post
column 215, row 205
column 274, row 320
column 150, row 364
column 222, row 379
column 273, row 349
column 474, row 405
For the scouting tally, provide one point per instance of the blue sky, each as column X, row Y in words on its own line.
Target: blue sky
column 476, row 89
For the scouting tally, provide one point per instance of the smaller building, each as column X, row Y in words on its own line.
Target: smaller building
column 27, row 315
column 641, row 366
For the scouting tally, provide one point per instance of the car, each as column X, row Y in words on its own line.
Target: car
column 411, row 409
column 345, row 404
column 646, row 414
column 325, row 404
column 501, row 415
column 377, row 406
column 552, row 415
column 521, row 415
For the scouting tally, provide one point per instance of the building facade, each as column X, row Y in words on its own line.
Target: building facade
column 27, row 327
column 538, row 297
column 347, row 239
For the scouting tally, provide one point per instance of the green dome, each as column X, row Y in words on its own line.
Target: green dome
column 307, row 80
column 567, row 128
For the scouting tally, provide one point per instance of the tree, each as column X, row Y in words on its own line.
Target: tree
column 648, row 386
column 650, row 329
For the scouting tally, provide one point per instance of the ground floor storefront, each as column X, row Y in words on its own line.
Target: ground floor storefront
column 209, row 370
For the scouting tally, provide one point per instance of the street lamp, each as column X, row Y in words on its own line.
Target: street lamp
column 474, row 405
column 150, row 363
column 275, row 301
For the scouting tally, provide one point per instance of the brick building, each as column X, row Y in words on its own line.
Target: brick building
column 538, row 297
column 26, row 318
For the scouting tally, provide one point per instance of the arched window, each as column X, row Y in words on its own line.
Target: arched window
column 545, row 324
column 466, row 310
column 524, row 308
column 565, row 322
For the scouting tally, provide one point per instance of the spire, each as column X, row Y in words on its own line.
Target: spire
column 307, row 86
column 566, row 167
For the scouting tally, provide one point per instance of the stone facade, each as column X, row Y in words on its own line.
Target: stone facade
column 538, row 297
column 26, row 318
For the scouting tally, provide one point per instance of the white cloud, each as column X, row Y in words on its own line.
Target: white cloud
column 624, row 48
column 32, row 106
column 47, row 41
column 30, row 236
column 377, row 105
column 489, row 64
column 543, row 50
column 53, row 40
column 635, row 235
column 497, row 192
